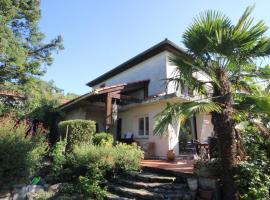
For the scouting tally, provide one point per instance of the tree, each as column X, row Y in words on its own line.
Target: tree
column 40, row 97
column 227, row 55
column 23, row 53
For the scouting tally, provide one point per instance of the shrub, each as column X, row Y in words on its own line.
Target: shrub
column 128, row 157
column 20, row 156
column 253, row 182
column 208, row 168
column 77, row 131
column 85, row 154
column 253, row 175
column 110, row 159
column 91, row 183
column 104, row 139
column 59, row 158
column 87, row 165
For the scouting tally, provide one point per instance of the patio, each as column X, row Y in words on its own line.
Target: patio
column 183, row 166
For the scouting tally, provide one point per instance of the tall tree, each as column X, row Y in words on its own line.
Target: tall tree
column 227, row 55
column 23, row 53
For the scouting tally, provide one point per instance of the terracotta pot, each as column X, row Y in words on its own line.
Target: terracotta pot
column 170, row 155
column 205, row 194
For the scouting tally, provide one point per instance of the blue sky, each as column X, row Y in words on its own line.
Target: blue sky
column 101, row 34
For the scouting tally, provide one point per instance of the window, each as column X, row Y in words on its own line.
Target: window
column 143, row 126
column 146, row 126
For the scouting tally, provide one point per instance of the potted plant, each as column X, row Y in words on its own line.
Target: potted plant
column 170, row 155
column 207, row 172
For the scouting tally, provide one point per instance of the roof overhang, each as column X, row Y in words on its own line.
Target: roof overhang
column 114, row 91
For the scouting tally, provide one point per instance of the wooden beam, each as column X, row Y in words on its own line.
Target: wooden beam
column 124, row 88
column 108, row 112
column 121, row 96
column 111, row 89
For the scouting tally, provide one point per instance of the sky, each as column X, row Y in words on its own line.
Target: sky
column 101, row 34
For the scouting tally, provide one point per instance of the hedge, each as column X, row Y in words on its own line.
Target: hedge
column 77, row 131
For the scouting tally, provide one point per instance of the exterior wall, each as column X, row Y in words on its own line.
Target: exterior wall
column 130, row 124
column 153, row 69
column 170, row 73
column 96, row 114
column 204, row 126
column 75, row 113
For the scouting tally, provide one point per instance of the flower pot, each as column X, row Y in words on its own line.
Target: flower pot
column 192, row 184
column 205, row 194
column 170, row 155
column 207, row 183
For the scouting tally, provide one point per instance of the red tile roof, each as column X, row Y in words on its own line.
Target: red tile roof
column 11, row 93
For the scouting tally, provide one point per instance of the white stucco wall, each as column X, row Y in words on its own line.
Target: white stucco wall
column 170, row 72
column 153, row 69
column 97, row 114
column 75, row 113
column 130, row 124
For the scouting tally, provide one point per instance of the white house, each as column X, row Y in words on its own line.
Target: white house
column 139, row 89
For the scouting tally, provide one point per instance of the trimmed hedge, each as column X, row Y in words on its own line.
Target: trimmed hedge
column 77, row 131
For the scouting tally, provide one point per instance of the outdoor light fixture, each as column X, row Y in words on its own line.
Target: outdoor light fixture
column 114, row 111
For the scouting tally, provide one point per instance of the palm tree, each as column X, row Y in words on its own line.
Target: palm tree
column 227, row 54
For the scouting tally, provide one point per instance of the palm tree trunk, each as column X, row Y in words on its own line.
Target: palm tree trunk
column 224, row 129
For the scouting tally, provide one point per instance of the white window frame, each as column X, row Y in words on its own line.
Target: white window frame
column 145, row 131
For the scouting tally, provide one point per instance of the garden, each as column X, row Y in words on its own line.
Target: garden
column 78, row 166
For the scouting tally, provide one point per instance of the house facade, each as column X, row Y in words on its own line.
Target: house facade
column 126, row 101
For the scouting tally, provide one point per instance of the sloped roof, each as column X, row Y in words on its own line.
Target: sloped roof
column 165, row 45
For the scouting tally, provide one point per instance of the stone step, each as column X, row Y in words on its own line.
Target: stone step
column 182, row 193
column 134, row 193
column 179, row 196
column 149, row 177
column 111, row 196
column 149, row 185
column 181, row 177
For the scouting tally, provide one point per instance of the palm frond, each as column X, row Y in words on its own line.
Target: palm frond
column 180, row 112
column 204, row 27
column 187, row 73
column 252, row 103
column 249, row 38
column 169, row 116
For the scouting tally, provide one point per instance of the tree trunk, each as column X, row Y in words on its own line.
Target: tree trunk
column 224, row 129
